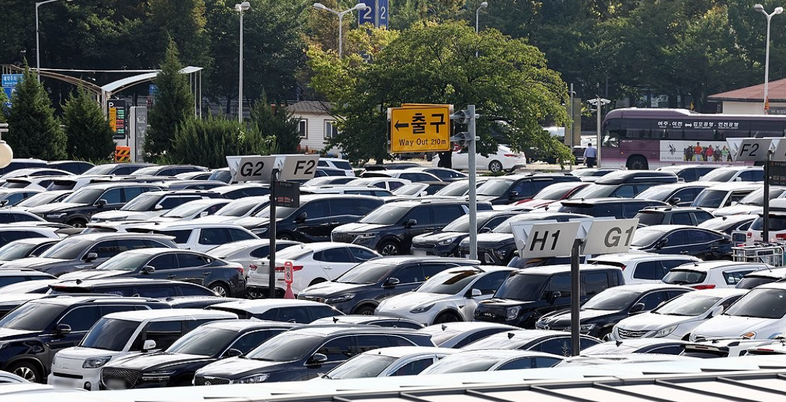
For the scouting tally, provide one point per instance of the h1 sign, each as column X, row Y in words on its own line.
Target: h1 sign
column 549, row 240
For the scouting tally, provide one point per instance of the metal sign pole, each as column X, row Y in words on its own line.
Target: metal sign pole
column 272, row 235
column 575, row 298
column 473, row 202
column 765, row 230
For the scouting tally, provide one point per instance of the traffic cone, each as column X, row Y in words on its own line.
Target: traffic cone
column 288, row 294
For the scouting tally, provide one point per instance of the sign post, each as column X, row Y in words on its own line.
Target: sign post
column 764, row 150
column 288, row 272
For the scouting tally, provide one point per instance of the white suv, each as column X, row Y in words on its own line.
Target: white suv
column 198, row 236
column 777, row 224
column 711, row 274
column 643, row 267
column 337, row 163
column 760, row 314
column 123, row 334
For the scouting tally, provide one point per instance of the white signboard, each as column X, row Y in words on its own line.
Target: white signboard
column 610, row 236
column 778, row 150
column 254, row 168
column 298, row 167
column 522, row 229
column 751, row 149
column 549, row 240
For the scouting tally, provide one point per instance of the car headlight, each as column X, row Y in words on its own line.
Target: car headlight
column 254, row 379
column 749, row 335
column 340, row 298
column 259, row 230
column 56, row 216
column 446, row 242
column 158, row 375
column 586, row 327
column 95, row 362
column 512, row 312
column 500, row 253
column 422, row 308
column 664, row 331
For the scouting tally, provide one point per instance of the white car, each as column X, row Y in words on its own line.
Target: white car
column 312, row 263
column 123, row 334
column 197, row 236
column 239, row 208
column 751, row 203
column 192, row 210
column 676, row 318
column 760, row 314
column 150, row 205
column 503, row 159
column 727, row 174
column 459, row 334
column 389, row 362
column 723, row 195
column 711, row 274
column 388, row 183
column 470, row 361
column 285, row 310
column 449, row 296
column 643, row 267
column 777, row 224
column 245, row 252
column 336, row 163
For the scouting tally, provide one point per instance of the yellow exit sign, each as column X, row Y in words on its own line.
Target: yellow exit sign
column 420, row 128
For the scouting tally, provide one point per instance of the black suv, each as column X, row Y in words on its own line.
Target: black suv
column 390, row 228
column 509, row 189
column 88, row 250
column 204, row 345
column 445, row 242
column 305, row 353
column 620, row 208
column 32, row 333
column 314, row 219
column 359, row 290
column 77, row 209
column 692, row 216
column 141, row 287
column 530, row 293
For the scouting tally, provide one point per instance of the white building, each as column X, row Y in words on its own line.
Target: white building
column 316, row 124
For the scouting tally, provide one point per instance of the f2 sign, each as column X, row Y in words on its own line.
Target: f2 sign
column 612, row 236
column 545, row 239
column 750, row 149
column 299, row 167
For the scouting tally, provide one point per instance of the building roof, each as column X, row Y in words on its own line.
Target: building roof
column 777, row 93
column 313, row 107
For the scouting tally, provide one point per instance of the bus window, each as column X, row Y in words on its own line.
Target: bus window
column 611, row 138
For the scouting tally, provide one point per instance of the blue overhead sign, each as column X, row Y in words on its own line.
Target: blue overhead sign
column 376, row 13
column 11, row 80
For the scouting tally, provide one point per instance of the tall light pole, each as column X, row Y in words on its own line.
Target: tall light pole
column 477, row 19
column 359, row 6
column 778, row 10
column 37, row 41
column 240, row 8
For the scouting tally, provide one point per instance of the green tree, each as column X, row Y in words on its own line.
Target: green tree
column 33, row 131
column 88, row 134
column 274, row 120
column 172, row 105
column 207, row 142
column 509, row 82
column 3, row 111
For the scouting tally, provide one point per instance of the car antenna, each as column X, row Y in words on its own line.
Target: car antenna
column 78, row 281
column 511, row 335
column 335, row 320
column 444, row 327
column 619, row 342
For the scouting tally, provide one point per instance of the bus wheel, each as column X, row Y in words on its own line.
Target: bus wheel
column 637, row 162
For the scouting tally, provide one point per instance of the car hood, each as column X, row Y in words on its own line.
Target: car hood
column 124, row 215
column 236, row 367
column 503, row 302
column 330, row 288
column 91, row 274
column 490, row 238
column 10, row 334
column 147, row 361
column 55, row 207
column 34, row 262
column 253, row 222
column 436, row 237
column 738, row 210
column 81, row 353
column 724, row 326
column 412, row 299
column 217, row 219
column 651, row 322
column 359, row 227
column 563, row 319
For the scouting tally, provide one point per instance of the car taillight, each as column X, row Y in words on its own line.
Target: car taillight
column 749, row 234
column 294, row 268
column 780, row 236
column 623, row 267
column 511, row 155
column 279, row 269
column 240, row 270
column 700, row 287
column 252, row 267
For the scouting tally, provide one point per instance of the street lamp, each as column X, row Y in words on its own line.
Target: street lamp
column 240, row 8
column 37, row 43
column 359, row 6
column 778, row 10
column 477, row 13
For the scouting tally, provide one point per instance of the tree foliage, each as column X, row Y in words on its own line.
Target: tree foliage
column 3, row 112
column 33, row 131
column 172, row 105
column 208, row 141
column 273, row 120
column 88, row 135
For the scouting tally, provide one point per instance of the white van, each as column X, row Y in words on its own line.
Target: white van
column 123, row 334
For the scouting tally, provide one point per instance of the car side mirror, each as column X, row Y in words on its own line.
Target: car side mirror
column 63, row 329
column 674, row 200
column 513, row 194
column 302, row 217
column 475, row 293
column 90, row 257
column 3, row 203
column 553, row 296
column 101, row 203
column 391, row 283
column 716, row 311
column 232, row 352
column 485, row 230
column 637, row 308
column 147, row 269
column 203, row 214
column 410, row 223
column 158, row 207
column 317, row 360
column 661, row 243
column 738, row 179
column 149, row 344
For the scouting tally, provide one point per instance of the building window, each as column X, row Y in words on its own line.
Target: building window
column 303, row 128
column 330, row 129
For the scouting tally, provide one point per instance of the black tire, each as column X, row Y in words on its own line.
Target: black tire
column 495, row 166
column 220, row 288
column 637, row 162
column 605, row 335
column 286, row 236
column 389, row 247
column 447, row 316
column 77, row 223
column 365, row 309
column 27, row 370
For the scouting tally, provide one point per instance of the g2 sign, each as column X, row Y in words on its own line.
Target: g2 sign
column 613, row 236
column 254, row 168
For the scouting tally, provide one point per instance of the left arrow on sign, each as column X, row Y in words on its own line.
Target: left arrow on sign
column 400, row 125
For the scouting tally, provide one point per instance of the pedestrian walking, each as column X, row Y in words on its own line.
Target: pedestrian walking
column 590, row 155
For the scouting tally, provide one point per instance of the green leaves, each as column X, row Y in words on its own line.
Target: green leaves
column 207, row 142
column 273, row 120
column 88, row 134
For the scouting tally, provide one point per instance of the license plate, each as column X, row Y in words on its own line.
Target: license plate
column 115, row 384
column 419, row 253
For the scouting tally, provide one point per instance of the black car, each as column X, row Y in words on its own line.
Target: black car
column 443, row 174
column 75, row 167
column 77, row 209
column 730, row 223
column 498, row 247
column 222, row 277
column 389, row 229
column 204, row 345
column 688, row 173
column 529, row 293
column 509, row 189
column 314, row 219
column 538, row 340
column 167, row 170
column 359, row 290
column 692, row 216
column 22, row 163
column 620, row 208
column 445, row 242
column 117, row 169
column 682, row 239
column 88, row 250
column 679, row 194
column 32, row 333
column 624, row 184
column 378, row 320
column 11, row 276
column 600, row 313
column 141, row 287
column 305, row 353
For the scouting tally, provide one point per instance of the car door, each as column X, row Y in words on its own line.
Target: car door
column 361, row 254
column 104, row 250
column 461, row 159
column 337, row 351
column 424, row 223
column 335, row 261
column 195, row 268
column 114, row 199
column 80, row 319
column 410, row 278
column 487, row 284
column 681, row 218
column 412, row 366
column 677, row 243
column 311, row 223
column 211, row 237
column 341, row 211
column 165, row 266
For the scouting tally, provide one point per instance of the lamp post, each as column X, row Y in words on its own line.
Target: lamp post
column 37, row 41
column 778, row 10
column 477, row 19
column 240, row 8
column 359, row 6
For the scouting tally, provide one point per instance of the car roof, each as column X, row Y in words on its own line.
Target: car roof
column 639, row 256
column 23, row 271
column 710, row 265
column 501, row 354
column 240, row 325
column 399, row 352
column 646, row 287
column 325, row 330
column 320, row 245
column 360, row 319
column 552, row 269
column 256, row 306
column 719, row 292
column 464, row 326
column 159, row 250
column 67, row 300
column 403, row 259
column 188, row 224
column 736, row 185
column 113, row 184
column 609, row 200
column 528, row 335
column 776, row 273
column 167, row 314
column 81, row 283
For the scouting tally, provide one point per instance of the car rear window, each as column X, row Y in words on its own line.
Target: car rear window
column 684, row 277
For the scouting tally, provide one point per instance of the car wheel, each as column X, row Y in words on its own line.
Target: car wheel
column 286, row 236
column 495, row 166
column 220, row 289
column 389, row 248
column 77, row 223
column 605, row 335
column 365, row 309
column 637, row 162
column 27, row 370
column 447, row 316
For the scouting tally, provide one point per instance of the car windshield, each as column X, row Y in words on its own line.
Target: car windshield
column 522, row 286
column 688, row 304
column 110, row 334
column 409, row 189
column 203, row 341
column 658, row 193
column 15, row 250
column 281, row 212
column 143, row 202
column 145, row 171
column 649, row 218
column 286, row 347
column 363, row 366
column 710, row 198
column 40, row 199
column 84, row 196
column 505, row 227
column 495, row 187
column 756, row 197
column 455, row 189
column 239, row 208
column 186, row 210
column 594, row 191
column 366, row 273
column 719, row 175
column 684, row 277
column 449, row 282
column 758, row 303
column 777, row 223
column 611, row 299
column 555, row 191
column 68, row 249
column 128, row 261
column 750, row 282
column 32, row 316
column 386, row 215
column 461, row 364
column 645, row 237
column 100, row 170
column 461, row 224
